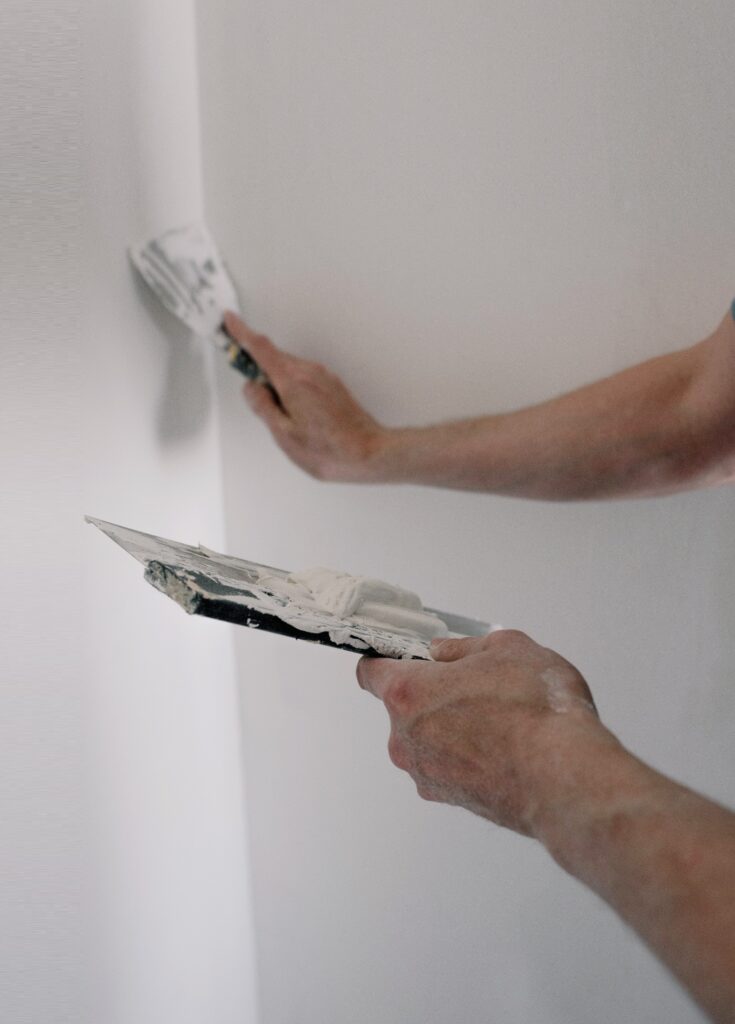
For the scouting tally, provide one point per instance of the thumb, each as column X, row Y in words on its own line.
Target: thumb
column 456, row 647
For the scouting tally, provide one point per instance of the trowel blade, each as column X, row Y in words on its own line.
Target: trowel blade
column 186, row 272
column 462, row 625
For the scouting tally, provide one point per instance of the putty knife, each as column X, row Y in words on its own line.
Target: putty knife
column 217, row 586
column 187, row 274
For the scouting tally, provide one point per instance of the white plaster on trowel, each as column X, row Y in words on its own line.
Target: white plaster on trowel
column 198, row 571
column 360, row 599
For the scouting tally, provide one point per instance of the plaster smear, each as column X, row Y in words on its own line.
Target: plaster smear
column 557, row 691
column 359, row 599
column 356, row 612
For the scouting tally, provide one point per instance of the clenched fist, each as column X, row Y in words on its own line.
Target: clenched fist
column 314, row 418
column 494, row 724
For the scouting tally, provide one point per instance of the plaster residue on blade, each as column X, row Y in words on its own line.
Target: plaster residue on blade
column 314, row 621
column 212, row 576
column 185, row 270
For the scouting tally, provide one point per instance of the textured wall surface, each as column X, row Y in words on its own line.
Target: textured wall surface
column 123, row 867
column 462, row 208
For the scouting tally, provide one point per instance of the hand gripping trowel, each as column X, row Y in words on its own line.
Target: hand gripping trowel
column 185, row 270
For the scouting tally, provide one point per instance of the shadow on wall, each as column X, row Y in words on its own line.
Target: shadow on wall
column 186, row 400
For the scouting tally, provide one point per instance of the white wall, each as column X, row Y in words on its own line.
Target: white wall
column 47, row 949
column 462, row 208
column 124, row 868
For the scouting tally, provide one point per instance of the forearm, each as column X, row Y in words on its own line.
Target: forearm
column 666, row 425
column 508, row 729
column 637, row 433
column 662, row 857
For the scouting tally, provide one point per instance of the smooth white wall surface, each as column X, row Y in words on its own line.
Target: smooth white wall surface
column 47, row 937
column 463, row 208
column 124, row 869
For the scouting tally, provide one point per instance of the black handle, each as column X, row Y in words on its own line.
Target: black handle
column 245, row 363
column 241, row 360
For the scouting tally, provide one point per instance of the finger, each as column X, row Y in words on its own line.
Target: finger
column 456, row 648
column 429, row 791
column 268, row 357
column 371, row 675
column 377, row 675
column 265, row 405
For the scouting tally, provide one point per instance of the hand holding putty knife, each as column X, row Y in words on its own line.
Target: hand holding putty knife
column 186, row 272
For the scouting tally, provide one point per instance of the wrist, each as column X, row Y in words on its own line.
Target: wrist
column 455, row 454
column 386, row 455
column 590, row 790
column 360, row 457
column 418, row 455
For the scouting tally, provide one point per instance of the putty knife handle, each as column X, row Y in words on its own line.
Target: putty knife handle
column 241, row 360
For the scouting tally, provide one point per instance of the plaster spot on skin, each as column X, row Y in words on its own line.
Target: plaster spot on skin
column 557, row 692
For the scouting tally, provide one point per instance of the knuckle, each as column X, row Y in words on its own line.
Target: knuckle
column 455, row 649
column 461, row 648
column 316, row 470
column 364, row 667
column 506, row 639
column 514, row 634
column 286, row 444
column 427, row 792
column 450, row 648
column 400, row 697
column 372, row 673
column 397, row 751
column 305, row 460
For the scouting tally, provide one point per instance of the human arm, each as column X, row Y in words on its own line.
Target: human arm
column 664, row 425
column 508, row 730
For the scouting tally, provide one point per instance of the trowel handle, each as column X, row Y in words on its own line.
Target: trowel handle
column 241, row 360
column 238, row 357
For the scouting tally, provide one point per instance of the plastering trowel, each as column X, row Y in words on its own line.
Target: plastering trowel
column 185, row 270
